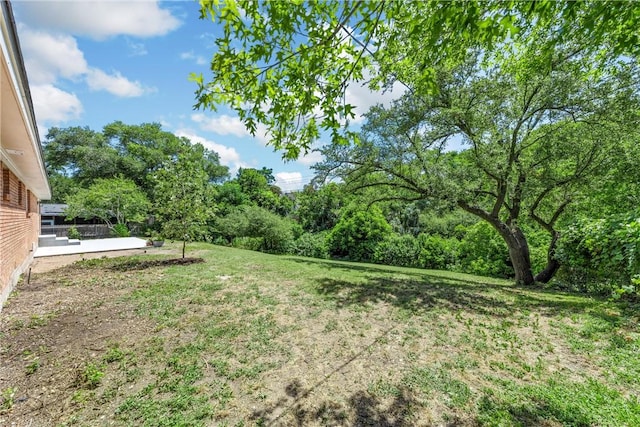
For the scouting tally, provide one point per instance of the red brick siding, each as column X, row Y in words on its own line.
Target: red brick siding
column 19, row 230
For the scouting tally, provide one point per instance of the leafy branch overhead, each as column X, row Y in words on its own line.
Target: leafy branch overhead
column 288, row 65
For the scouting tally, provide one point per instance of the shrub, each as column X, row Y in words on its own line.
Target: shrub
column 312, row 245
column 73, row 233
column 482, row 251
column 249, row 243
column 120, row 230
column 437, row 252
column 601, row 255
column 357, row 233
column 275, row 234
column 232, row 225
column 397, row 249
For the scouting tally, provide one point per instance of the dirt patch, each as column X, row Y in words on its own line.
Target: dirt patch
column 44, row 264
column 144, row 264
column 52, row 330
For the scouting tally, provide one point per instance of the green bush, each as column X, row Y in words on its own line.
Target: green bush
column 437, row 252
column 482, row 251
column 397, row 249
column 446, row 223
column 120, row 230
column 357, row 233
column 249, row 243
column 232, row 225
column 312, row 245
column 73, row 233
column 601, row 255
column 275, row 234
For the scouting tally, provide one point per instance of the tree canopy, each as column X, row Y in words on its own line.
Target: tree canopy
column 133, row 151
column 538, row 138
column 288, row 65
column 108, row 199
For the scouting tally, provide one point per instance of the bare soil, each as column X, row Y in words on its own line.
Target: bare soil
column 54, row 328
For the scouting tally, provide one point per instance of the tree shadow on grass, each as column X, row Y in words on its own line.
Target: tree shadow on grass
column 420, row 292
column 360, row 409
column 533, row 411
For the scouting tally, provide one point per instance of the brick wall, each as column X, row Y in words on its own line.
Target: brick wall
column 19, row 228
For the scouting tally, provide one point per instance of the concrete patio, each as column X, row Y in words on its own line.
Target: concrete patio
column 97, row 245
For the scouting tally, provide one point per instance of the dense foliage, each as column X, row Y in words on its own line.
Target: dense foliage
column 357, row 233
column 115, row 201
column 540, row 100
column 289, row 65
column 600, row 255
column 75, row 157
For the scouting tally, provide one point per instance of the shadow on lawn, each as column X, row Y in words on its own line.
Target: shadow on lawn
column 362, row 408
column 421, row 291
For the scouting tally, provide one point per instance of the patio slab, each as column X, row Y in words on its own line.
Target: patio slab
column 97, row 245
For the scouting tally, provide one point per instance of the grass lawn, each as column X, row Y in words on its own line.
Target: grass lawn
column 247, row 339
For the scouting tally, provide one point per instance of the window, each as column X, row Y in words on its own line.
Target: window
column 6, row 187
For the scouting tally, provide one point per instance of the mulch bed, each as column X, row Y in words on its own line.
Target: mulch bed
column 144, row 264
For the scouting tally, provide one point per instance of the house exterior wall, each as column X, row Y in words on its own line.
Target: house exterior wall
column 23, row 177
column 19, row 229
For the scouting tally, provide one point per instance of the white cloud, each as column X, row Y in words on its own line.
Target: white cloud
column 190, row 56
column 101, row 19
column 230, row 125
column 54, row 105
column 311, row 158
column 137, row 49
column 363, row 98
column 49, row 56
column 228, row 155
column 115, row 84
column 221, row 125
column 289, row 181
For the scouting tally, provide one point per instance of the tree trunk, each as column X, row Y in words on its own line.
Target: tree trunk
column 516, row 243
column 552, row 264
column 518, row 253
column 184, row 244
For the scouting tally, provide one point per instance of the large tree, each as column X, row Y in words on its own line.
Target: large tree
column 113, row 201
column 537, row 132
column 133, row 151
column 288, row 65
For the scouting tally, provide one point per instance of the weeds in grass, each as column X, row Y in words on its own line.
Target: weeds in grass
column 80, row 397
column 91, row 375
column 114, row 354
column 33, row 366
column 429, row 379
column 8, row 399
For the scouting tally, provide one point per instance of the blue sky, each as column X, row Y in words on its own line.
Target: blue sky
column 90, row 63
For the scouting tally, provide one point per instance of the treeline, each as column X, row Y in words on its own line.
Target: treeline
column 141, row 178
